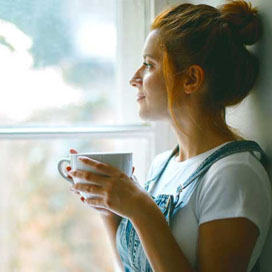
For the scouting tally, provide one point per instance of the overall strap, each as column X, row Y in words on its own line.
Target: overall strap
column 228, row 149
column 157, row 177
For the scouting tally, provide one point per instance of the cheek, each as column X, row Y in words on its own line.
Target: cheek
column 148, row 82
column 154, row 83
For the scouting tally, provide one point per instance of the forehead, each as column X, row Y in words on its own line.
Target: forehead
column 151, row 46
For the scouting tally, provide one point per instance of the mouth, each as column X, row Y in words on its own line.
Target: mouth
column 140, row 97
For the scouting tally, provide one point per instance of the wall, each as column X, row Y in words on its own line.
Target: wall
column 262, row 98
column 253, row 117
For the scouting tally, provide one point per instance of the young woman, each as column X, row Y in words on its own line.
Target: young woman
column 207, row 204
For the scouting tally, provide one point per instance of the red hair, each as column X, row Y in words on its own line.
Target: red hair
column 215, row 39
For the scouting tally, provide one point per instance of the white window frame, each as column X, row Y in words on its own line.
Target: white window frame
column 158, row 134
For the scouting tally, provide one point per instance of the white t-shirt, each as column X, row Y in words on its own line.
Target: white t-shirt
column 235, row 186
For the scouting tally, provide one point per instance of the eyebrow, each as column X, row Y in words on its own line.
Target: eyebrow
column 148, row 55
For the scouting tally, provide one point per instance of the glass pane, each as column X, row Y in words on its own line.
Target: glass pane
column 45, row 227
column 60, row 60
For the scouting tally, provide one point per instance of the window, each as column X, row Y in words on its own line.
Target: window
column 44, row 227
column 69, row 62
column 65, row 68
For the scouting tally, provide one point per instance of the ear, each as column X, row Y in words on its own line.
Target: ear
column 194, row 79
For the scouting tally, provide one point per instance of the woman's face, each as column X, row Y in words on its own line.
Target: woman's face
column 149, row 80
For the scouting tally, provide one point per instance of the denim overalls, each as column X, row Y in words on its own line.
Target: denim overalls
column 127, row 241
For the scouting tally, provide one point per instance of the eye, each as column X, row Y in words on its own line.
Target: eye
column 148, row 65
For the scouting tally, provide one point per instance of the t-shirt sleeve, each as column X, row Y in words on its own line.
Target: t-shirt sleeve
column 233, row 191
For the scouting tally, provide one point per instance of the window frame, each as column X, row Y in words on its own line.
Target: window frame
column 159, row 134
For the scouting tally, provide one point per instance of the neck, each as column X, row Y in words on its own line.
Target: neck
column 197, row 141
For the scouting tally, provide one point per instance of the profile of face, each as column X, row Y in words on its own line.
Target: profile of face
column 149, row 80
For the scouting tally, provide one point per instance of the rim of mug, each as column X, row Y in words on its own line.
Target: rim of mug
column 101, row 153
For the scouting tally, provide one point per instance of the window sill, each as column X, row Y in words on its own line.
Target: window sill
column 134, row 130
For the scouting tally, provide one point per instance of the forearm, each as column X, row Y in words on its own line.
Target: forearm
column 159, row 244
column 111, row 223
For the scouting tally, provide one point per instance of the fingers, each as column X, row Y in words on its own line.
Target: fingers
column 96, row 202
column 68, row 169
column 89, row 189
column 101, row 167
column 100, row 210
column 103, row 211
column 72, row 190
column 91, row 177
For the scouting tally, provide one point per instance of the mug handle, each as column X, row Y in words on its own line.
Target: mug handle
column 61, row 170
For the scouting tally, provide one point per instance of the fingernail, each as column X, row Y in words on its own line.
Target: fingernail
column 72, row 151
column 68, row 168
column 82, row 199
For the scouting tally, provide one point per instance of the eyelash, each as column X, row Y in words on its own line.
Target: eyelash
column 148, row 65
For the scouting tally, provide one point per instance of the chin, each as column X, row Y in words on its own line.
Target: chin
column 149, row 117
column 153, row 115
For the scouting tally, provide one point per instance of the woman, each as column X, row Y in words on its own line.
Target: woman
column 207, row 204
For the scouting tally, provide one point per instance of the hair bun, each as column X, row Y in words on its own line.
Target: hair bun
column 242, row 18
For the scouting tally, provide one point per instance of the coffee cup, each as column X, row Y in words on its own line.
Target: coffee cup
column 122, row 161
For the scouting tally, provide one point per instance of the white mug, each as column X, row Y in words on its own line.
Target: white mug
column 122, row 161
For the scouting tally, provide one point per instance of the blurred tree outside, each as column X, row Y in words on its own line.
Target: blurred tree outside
column 49, row 229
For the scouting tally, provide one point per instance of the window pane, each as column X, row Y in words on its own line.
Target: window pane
column 45, row 227
column 61, row 60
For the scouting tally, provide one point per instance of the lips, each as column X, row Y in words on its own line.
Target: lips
column 140, row 96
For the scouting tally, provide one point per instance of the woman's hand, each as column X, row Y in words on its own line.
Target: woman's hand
column 102, row 211
column 110, row 191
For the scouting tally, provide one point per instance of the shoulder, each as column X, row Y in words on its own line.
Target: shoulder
column 237, row 169
column 234, row 186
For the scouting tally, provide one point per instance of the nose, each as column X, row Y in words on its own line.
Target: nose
column 136, row 80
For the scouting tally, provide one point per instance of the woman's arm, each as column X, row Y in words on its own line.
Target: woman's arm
column 160, row 246
column 111, row 223
column 115, row 192
column 224, row 245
